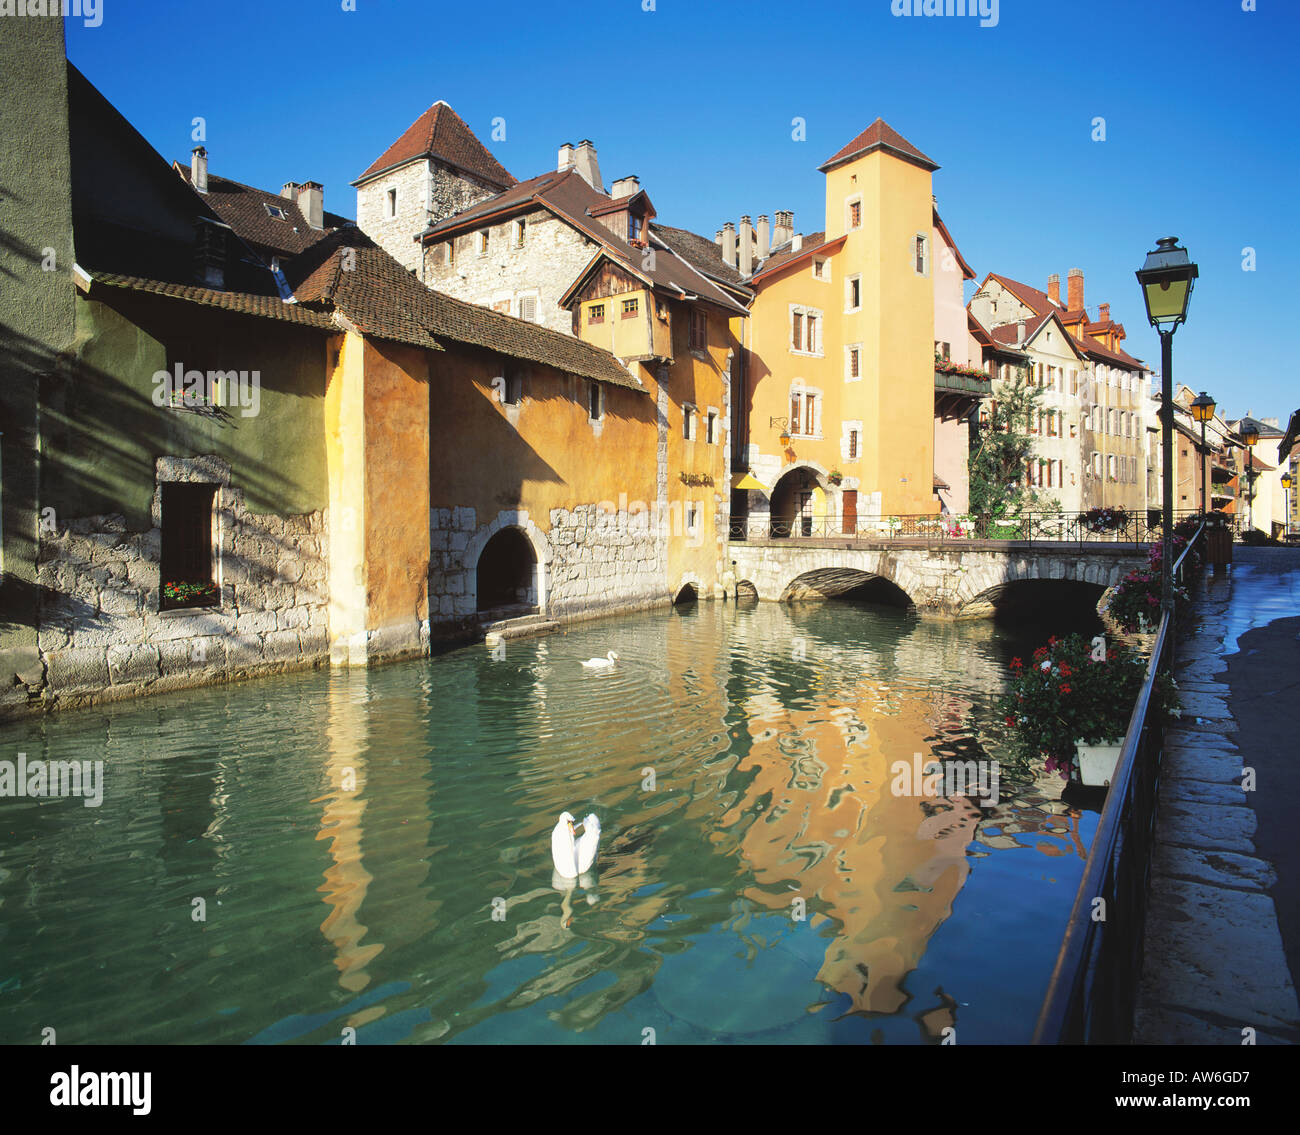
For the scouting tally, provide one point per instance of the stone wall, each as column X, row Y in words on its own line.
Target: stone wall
column 102, row 636
column 427, row 192
column 552, row 256
column 595, row 559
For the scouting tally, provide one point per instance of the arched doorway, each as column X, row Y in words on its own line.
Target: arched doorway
column 506, row 573
column 796, row 498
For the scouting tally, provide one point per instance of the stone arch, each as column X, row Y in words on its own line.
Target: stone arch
column 542, row 552
column 832, row 582
column 984, row 586
column 746, row 590
column 688, row 590
column 782, row 505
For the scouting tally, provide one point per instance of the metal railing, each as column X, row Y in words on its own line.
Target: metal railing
column 1093, row 990
column 1052, row 527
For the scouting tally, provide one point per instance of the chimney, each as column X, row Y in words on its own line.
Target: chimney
column 289, row 190
column 796, row 242
column 584, row 161
column 729, row 243
column 1103, row 313
column 1054, row 288
column 746, row 264
column 566, row 157
column 1074, row 280
column 199, row 169
column 311, row 202
column 625, row 186
column 783, row 228
column 717, row 238
column 763, row 237
column 1020, row 333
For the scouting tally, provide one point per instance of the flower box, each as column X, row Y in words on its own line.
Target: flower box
column 1097, row 762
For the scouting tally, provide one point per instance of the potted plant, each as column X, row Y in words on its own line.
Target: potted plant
column 1072, row 702
column 177, row 593
column 835, row 476
column 1104, row 519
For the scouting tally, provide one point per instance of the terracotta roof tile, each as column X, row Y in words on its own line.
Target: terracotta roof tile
column 441, row 133
column 379, row 297
column 700, row 252
column 243, row 208
column 879, row 135
column 266, row 307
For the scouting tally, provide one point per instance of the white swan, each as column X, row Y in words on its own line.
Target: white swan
column 601, row 663
column 571, row 854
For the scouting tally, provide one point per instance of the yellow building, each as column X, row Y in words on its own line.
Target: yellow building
column 841, row 365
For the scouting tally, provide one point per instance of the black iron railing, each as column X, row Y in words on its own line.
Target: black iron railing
column 1093, row 990
column 1049, row 527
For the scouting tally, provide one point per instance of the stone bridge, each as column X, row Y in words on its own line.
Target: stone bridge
column 957, row 578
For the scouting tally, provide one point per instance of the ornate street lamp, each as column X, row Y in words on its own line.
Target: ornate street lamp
column 1250, row 435
column 1203, row 411
column 785, row 429
column 1167, row 279
column 1286, row 498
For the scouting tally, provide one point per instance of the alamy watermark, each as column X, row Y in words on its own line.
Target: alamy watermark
column 88, row 11
column 986, row 10
column 53, row 778
column 213, row 389
column 919, row 777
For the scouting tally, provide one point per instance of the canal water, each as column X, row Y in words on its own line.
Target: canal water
column 286, row 860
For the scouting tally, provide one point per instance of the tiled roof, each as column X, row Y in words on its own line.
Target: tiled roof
column 243, row 208
column 784, row 254
column 569, row 197
column 1009, row 333
column 266, row 307
column 700, row 252
column 879, row 136
column 379, row 297
column 1030, row 297
column 441, row 133
column 1288, row 443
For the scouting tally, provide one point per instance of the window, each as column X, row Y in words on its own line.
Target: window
column 853, row 294
column 276, row 211
column 186, row 554
column 796, row 410
column 451, row 252
column 661, row 310
column 922, row 252
column 519, row 232
column 699, row 329
column 514, row 390
column 528, row 308
column 811, row 323
column 596, row 313
column 805, row 330
column 502, row 306
column 855, row 214
column 692, row 517
column 852, row 363
column 796, row 340
column 819, row 268
column 483, row 242
column 711, row 427
column 633, row 227
column 392, row 202
column 810, row 415
column 853, row 445
column 688, row 422
column 595, row 401
column 1074, row 382
column 630, row 308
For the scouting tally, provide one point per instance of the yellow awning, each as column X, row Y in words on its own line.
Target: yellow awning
column 747, row 481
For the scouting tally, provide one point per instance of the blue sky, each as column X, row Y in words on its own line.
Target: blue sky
column 697, row 97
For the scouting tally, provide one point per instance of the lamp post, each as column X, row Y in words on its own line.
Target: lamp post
column 1250, row 435
column 1167, row 278
column 1203, row 411
column 1286, row 504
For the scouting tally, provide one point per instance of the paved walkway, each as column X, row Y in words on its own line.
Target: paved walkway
column 1223, row 924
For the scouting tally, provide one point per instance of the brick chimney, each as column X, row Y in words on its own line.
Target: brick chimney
column 311, row 202
column 1054, row 288
column 584, row 161
column 746, row 265
column 1103, row 313
column 729, row 243
column 764, row 234
column 565, row 160
column 199, row 169
column 1074, row 280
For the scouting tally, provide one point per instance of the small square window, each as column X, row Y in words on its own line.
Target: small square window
column 853, row 297
column 596, row 313
column 595, row 401
column 855, row 214
column 392, row 202
column 699, row 329
column 711, row 427
column 483, row 242
column 186, row 553
column 688, row 423
column 278, row 213
column 630, row 308
column 519, row 233
column 853, row 445
column 819, row 269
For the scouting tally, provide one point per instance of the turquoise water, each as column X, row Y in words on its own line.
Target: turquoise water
column 370, row 851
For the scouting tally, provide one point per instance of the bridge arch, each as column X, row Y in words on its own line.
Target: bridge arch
column 799, row 492
column 844, row 582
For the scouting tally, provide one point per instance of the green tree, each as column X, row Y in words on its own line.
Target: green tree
column 997, row 467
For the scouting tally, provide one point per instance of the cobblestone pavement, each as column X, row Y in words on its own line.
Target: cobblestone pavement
column 1223, row 923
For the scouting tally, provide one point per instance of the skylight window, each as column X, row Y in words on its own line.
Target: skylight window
column 276, row 211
